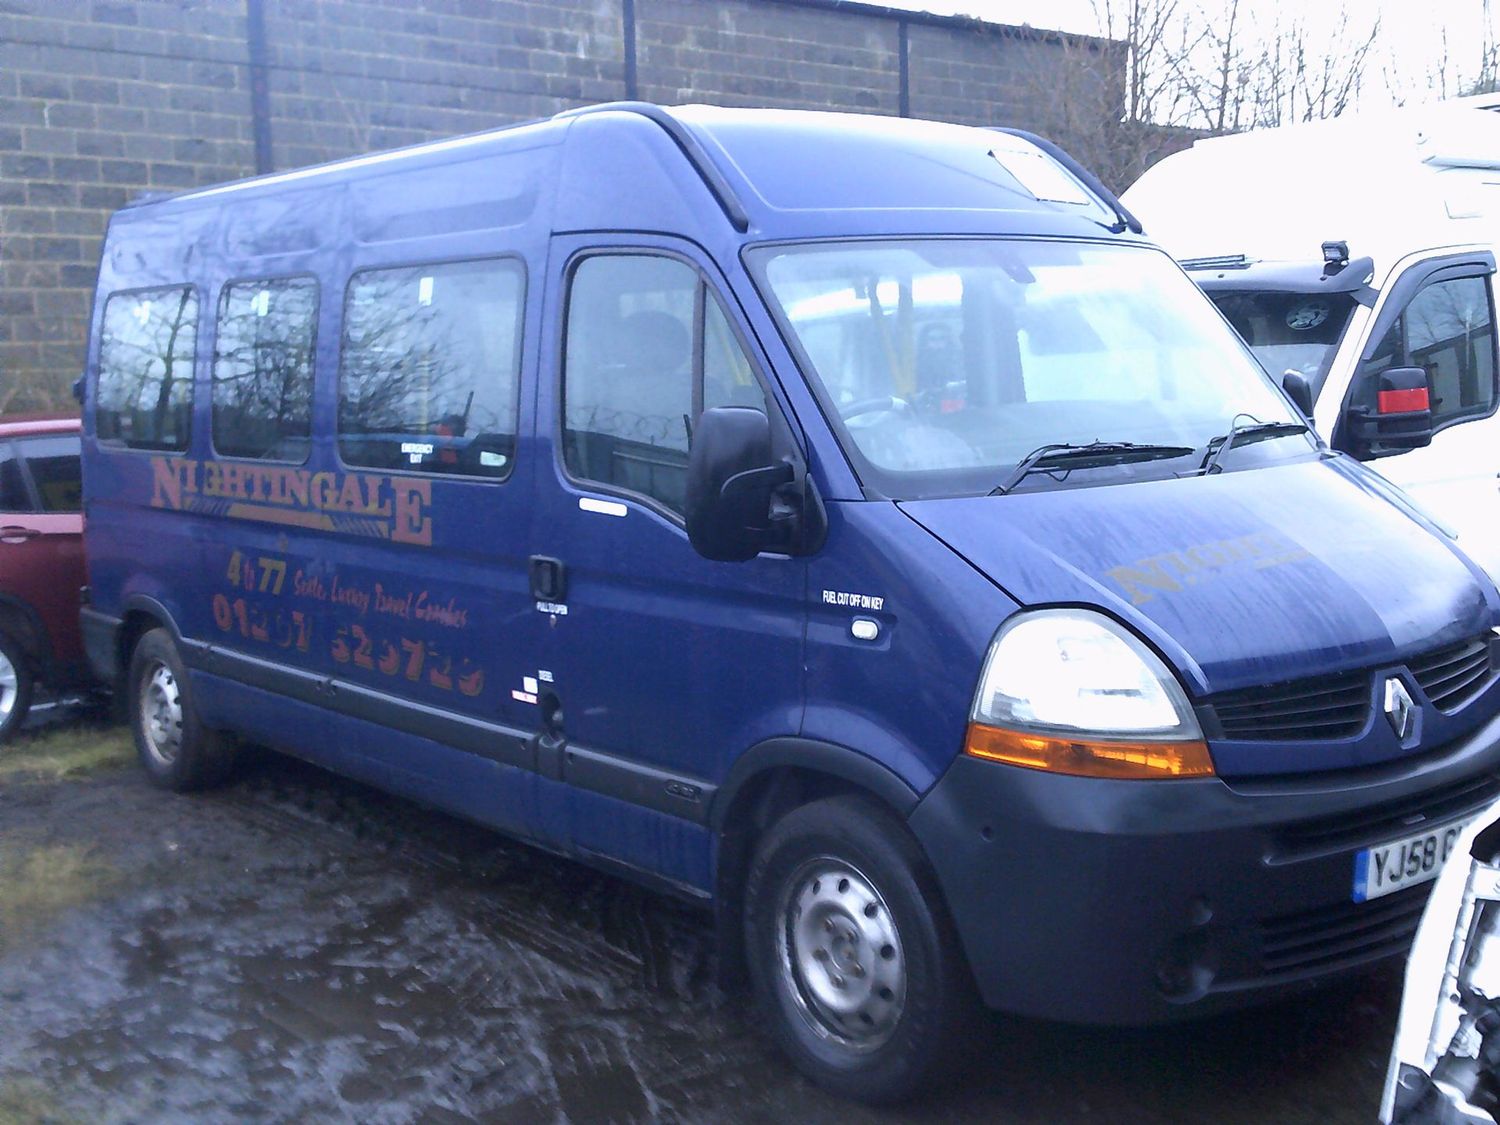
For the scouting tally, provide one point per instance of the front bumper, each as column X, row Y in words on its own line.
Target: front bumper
column 1136, row 902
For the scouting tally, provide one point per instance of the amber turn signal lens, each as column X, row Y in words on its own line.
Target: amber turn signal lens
column 1122, row 761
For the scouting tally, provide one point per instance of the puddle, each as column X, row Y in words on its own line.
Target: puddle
column 298, row 947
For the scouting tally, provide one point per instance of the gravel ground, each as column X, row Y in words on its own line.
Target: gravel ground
column 296, row 947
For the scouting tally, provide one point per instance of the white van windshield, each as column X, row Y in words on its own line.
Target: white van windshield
column 948, row 361
column 1289, row 331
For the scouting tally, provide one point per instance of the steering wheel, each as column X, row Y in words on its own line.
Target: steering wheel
column 852, row 410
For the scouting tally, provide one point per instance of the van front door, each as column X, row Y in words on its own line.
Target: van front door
column 659, row 666
column 1441, row 318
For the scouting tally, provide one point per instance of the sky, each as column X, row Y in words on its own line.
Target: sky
column 1403, row 65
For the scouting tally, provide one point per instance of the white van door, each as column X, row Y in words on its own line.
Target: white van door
column 1439, row 315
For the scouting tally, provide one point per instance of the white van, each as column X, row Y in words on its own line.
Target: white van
column 1356, row 258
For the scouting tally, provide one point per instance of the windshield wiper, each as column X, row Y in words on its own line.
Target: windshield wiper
column 1241, row 433
column 1070, row 456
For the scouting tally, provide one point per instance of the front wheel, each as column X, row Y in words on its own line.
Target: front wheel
column 852, row 954
column 176, row 749
column 16, row 684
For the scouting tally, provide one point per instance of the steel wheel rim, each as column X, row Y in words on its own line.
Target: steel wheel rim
column 10, row 686
column 840, row 954
column 161, row 714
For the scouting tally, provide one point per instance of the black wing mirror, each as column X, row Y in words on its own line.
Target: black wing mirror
column 1299, row 390
column 1400, row 419
column 735, row 507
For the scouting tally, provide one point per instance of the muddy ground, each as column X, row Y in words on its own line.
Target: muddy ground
column 296, row 947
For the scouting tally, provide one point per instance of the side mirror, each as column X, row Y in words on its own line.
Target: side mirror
column 78, row 385
column 733, row 510
column 1400, row 419
column 1299, row 390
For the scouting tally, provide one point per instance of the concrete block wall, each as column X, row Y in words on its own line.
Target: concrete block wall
column 749, row 52
column 102, row 100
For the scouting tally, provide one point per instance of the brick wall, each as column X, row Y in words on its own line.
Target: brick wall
column 101, row 100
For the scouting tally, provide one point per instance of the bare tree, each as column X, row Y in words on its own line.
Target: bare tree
column 1299, row 77
column 1444, row 77
column 1168, row 71
column 1220, row 91
column 1118, row 102
column 1160, row 38
column 1487, row 79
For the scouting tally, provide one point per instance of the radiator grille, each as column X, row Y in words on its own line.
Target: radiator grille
column 1454, row 801
column 1345, row 933
column 1334, row 707
column 1452, row 676
column 1326, row 707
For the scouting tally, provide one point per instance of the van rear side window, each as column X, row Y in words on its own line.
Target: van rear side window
column 430, row 368
column 146, row 349
column 263, row 369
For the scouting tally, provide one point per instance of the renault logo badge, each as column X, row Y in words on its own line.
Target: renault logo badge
column 1400, row 708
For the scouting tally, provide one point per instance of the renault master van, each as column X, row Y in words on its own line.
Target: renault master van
column 850, row 524
column 1357, row 259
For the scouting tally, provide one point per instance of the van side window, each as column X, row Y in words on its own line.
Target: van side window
column 430, row 368
column 263, row 369
column 648, row 349
column 53, row 463
column 146, row 349
column 1447, row 330
column 1449, row 333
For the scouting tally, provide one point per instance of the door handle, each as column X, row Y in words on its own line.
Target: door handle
column 549, row 579
column 12, row 533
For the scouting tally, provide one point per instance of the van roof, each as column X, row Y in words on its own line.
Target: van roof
column 764, row 167
column 1386, row 182
column 1453, row 133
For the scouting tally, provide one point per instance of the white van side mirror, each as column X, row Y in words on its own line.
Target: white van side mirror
column 1391, row 412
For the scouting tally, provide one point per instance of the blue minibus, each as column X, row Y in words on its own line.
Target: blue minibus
column 855, row 525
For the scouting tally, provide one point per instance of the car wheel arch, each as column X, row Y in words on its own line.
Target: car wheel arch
column 21, row 621
column 142, row 614
column 767, row 782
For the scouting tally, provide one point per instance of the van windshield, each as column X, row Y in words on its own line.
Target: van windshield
column 945, row 362
column 1289, row 331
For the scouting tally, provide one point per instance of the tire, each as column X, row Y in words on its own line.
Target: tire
column 17, row 681
column 851, row 953
column 177, row 751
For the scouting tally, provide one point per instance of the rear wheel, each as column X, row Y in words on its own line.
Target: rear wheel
column 176, row 749
column 16, row 684
column 852, row 954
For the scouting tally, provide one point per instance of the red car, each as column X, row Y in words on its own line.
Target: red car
column 41, row 561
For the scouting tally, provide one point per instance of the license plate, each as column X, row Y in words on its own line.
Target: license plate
column 1403, row 863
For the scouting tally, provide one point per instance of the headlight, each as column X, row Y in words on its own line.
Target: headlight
column 1071, row 691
